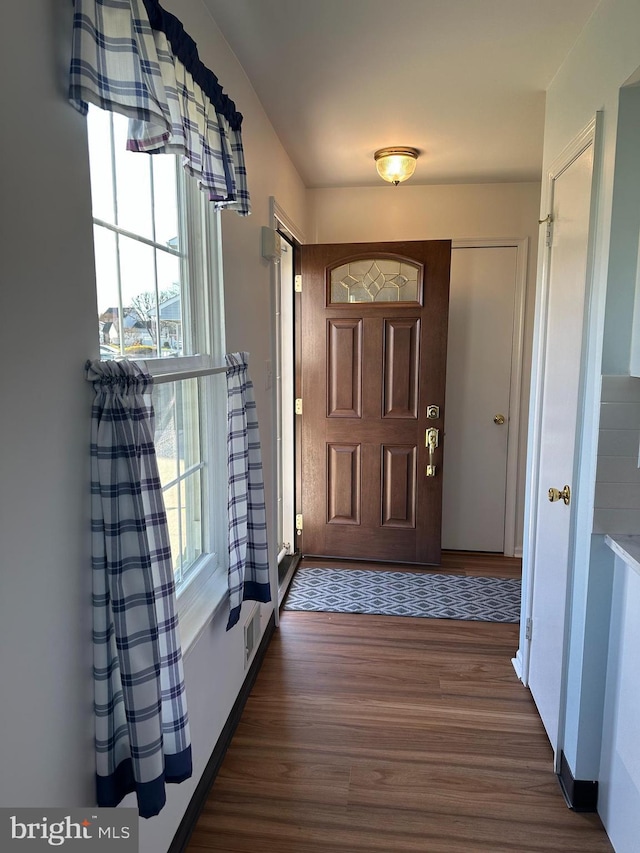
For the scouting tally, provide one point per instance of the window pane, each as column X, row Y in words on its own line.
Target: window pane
column 133, row 181
column 191, row 520
column 177, row 429
column 172, row 507
column 165, row 199
column 107, row 286
column 375, row 280
column 170, row 304
column 99, row 130
column 137, row 274
column 166, row 431
column 177, row 440
column 188, row 424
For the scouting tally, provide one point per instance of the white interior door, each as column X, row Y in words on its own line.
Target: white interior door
column 482, row 310
column 556, row 437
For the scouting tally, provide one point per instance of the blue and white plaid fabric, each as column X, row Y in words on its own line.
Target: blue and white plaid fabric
column 122, row 64
column 248, row 552
column 142, row 731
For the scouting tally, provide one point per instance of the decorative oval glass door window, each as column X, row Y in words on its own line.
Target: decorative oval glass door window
column 375, row 280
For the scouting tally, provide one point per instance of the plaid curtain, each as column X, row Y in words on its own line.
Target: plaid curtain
column 248, row 555
column 142, row 731
column 133, row 57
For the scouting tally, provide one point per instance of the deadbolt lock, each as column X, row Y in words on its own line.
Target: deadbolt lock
column 433, row 412
column 564, row 495
column 498, row 419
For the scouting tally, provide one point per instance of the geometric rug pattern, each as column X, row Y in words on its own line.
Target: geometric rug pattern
column 405, row 594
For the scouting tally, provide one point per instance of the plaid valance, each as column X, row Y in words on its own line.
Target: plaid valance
column 133, row 57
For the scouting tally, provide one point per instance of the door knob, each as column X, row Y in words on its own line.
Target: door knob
column 556, row 495
column 498, row 419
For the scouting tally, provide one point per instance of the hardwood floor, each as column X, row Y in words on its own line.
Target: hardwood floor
column 373, row 734
column 469, row 563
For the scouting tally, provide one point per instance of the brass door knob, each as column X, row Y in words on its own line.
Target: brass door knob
column 564, row 495
column 498, row 419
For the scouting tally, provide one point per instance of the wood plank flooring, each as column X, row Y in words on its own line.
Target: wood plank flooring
column 467, row 563
column 373, row 734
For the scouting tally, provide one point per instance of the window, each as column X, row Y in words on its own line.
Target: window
column 160, row 299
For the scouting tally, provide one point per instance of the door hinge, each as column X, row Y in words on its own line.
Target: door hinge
column 298, row 406
column 299, row 522
column 548, row 231
column 297, row 283
column 528, row 629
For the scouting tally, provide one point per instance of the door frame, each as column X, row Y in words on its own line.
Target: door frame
column 521, row 244
column 586, row 440
column 280, row 221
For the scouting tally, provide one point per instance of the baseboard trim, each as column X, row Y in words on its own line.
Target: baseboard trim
column 199, row 798
column 516, row 662
column 283, row 587
column 580, row 794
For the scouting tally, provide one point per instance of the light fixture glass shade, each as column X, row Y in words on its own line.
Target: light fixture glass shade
column 396, row 164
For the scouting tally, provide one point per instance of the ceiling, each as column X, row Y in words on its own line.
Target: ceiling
column 461, row 80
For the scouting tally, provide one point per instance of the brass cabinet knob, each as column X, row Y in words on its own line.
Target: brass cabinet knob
column 564, row 495
column 498, row 419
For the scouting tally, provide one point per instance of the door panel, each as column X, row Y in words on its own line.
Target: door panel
column 558, row 430
column 479, row 358
column 344, row 363
column 401, row 367
column 343, row 483
column 399, row 478
column 374, row 333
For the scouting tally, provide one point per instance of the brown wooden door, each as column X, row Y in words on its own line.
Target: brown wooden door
column 369, row 371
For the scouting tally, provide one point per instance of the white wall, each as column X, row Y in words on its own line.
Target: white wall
column 49, row 306
column 604, row 57
column 48, row 292
column 413, row 212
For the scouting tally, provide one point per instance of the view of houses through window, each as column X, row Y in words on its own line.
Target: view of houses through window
column 146, row 295
column 140, row 262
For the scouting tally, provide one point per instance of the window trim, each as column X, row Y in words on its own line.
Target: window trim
column 199, row 598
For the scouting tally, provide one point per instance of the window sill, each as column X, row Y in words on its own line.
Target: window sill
column 199, row 602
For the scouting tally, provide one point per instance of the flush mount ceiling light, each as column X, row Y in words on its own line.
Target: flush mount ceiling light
column 396, row 164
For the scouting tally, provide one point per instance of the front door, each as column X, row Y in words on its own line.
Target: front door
column 374, row 343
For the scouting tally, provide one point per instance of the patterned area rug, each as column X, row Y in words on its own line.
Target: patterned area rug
column 405, row 594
